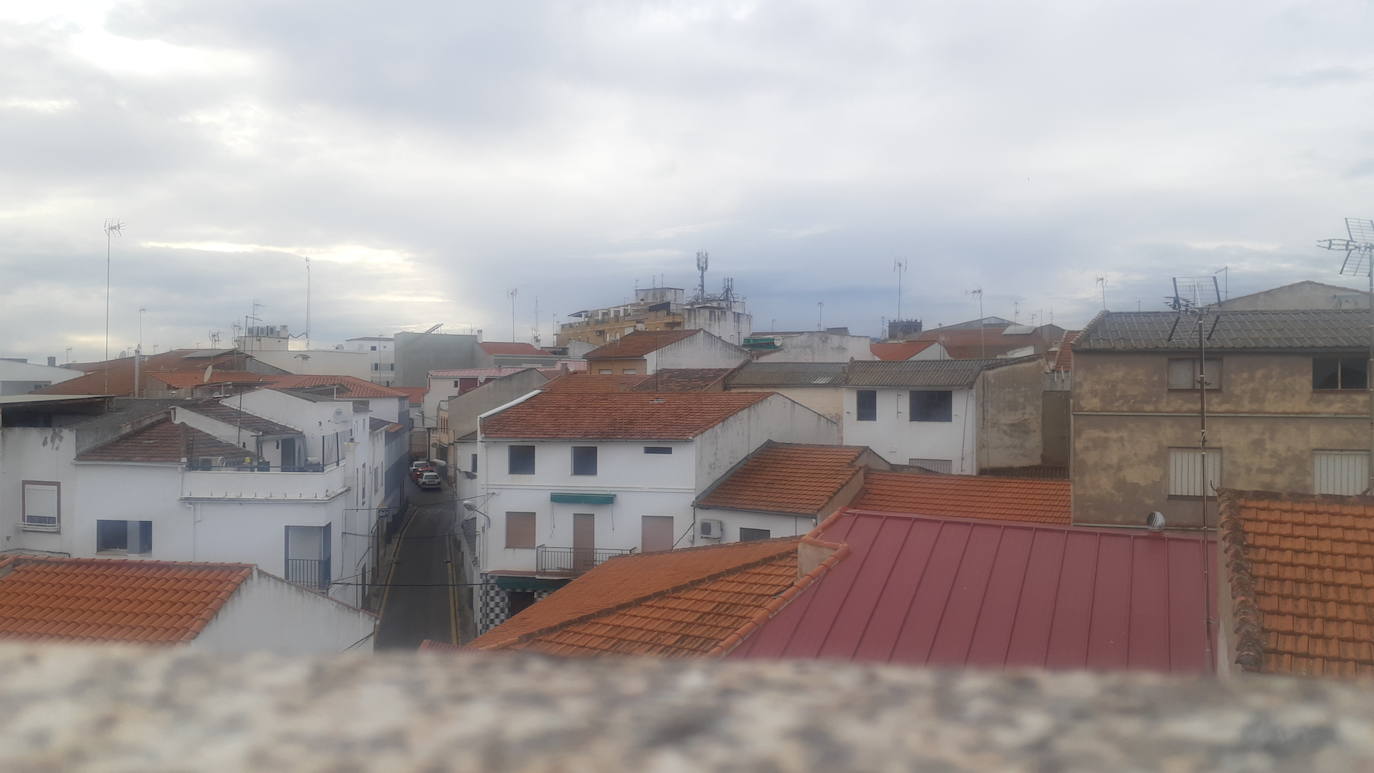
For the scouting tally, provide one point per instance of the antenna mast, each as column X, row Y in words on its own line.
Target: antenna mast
column 307, row 304
column 1359, row 261
column 899, row 266
column 512, row 293
column 703, row 261
column 1102, row 282
column 113, row 227
column 982, row 344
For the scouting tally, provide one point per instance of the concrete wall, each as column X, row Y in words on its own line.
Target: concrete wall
column 38, row 454
column 703, row 350
column 320, row 362
column 419, row 353
column 1302, row 295
column 827, row 401
column 1011, row 414
column 819, row 346
column 18, row 378
column 776, row 418
column 729, row 325
column 777, row 524
column 268, row 614
column 897, row 439
column 1265, row 419
column 1054, row 429
column 464, row 409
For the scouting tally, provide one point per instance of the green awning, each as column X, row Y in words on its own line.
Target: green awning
column 510, row 582
column 582, row 499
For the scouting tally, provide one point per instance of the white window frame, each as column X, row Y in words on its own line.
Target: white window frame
column 30, row 488
column 1343, row 473
column 1185, row 478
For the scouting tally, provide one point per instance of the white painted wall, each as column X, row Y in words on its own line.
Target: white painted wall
column 774, row 418
column 777, row 525
column 17, row 378
column 320, row 362
column 34, row 454
column 827, row 401
column 819, row 346
column 935, row 351
column 702, row 350
column 268, row 614
column 895, row 438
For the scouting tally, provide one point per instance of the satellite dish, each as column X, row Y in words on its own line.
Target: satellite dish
column 1155, row 521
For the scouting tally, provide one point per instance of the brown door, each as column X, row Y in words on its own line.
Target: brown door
column 584, row 541
column 657, row 533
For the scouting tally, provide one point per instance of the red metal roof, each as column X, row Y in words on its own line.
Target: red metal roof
column 618, row 415
column 947, row 592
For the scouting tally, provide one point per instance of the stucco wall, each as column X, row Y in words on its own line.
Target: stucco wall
column 699, row 351
column 897, row 439
column 618, row 367
column 827, row 401
column 35, row 454
column 464, row 409
column 1011, row 411
column 818, row 346
column 419, row 353
column 321, row 362
column 1266, row 419
column 775, row 418
column 1304, row 295
column 268, row 614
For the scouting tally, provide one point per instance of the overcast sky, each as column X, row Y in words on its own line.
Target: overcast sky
column 429, row 156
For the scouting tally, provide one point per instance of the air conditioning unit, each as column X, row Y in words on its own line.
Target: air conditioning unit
column 712, row 529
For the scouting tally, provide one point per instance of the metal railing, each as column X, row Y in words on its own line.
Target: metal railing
column 312, row 573
column 549, row 560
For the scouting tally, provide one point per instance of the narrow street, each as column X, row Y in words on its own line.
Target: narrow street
column 417, row 605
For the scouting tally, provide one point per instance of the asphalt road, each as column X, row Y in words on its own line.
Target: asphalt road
column 412, row 612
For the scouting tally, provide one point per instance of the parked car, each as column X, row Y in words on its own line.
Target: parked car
column 430, row 479
column 419, row 468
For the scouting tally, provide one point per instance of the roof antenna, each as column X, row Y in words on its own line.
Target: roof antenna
column 703, row 261
column 1359, row 259
column 982, row 345
column 1102, row 282
column 113, row 227
column 899, row 266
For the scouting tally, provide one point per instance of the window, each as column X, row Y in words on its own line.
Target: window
column 474, row 462
column 656, row 533
column 629, row 372
column 866, row 408
column 375, row 366
column 519, row 601
column 42, row 503
column 932, row 406
column 132, row 537
column 605, row 372
column 658, row 449
column 1340, row 472
column 584, row 460
column 374, row 348
column 519, row 530
column 455, row 382
column 749, row 535
column 1339, row 373
column 521, row 460
column 1183, row 373
column 1185, row 472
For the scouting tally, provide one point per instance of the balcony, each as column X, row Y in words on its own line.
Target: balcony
column 570, row 562
column 245, row 484
column 312, row 573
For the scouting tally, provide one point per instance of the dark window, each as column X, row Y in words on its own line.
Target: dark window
column 520, row 600
column 474, row 462
column 658, row 449
column 126, row 536
column 584, row 460
column 374, row 366
column 749, row 535
column 521, row 460
column 932, row 406
column 867, row 408
column 374, row 348
column 519, row 530
column 1183, row 373
column 1339, row 373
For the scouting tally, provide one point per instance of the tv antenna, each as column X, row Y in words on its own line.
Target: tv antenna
column 820, row 315
column 703, row 262
column 514, row 291
column 113, row 227
column 982, row 344
column 1102, row 282
column 1359, row 260
column 899, row 266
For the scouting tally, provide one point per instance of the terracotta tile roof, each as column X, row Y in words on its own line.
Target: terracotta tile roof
column 113, row 600
column 899, row 350
column 675, row 603
column 233, row 416
column 958, row 593
column 185, row 379
column 1301, row 571
column 639, row 343
column 506, row 347
column 162, row 442
column 683, row 380
column 618, row 415
column 350, row 388
column 120, row 379
column 592, row 382
column 786, row 478
column 1063, row 358
column 416, row 394
column 1029, row 500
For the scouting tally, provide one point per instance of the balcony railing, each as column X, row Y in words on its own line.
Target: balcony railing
column 312, row 573
column 572, row 561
